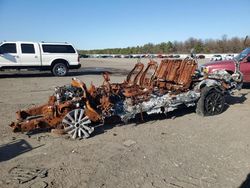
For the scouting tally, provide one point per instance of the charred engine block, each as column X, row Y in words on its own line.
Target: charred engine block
column 67, row 92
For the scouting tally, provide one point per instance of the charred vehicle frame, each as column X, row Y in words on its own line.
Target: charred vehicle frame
column 74, row 108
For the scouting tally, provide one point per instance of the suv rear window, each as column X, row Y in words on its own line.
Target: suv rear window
column 8, row 48
column 27, row 48
column 51, row 48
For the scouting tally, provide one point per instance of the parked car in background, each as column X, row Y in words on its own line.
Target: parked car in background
column 229, row 65
column 105, row 56
column 56, row 57
column 117, row 56
column 216, row 58
column 84, row 56
column 176, row 56
column 127, row 56
column 136, row 56
column 229, row 57
column 160, row 56
column 151, row 56
column 200, row 56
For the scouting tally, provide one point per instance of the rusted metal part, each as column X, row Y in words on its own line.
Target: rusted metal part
column 134, row 75
column 183, row 77
column 92, row 114
column 145, row 84
column 176, row 75
column 41, row 117
column 157, row 89
column 132, row 79
column 147, row 77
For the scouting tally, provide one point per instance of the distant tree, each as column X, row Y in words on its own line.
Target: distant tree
column 147, row 48
column 223, row 45
column 163, row 47
column 169, row 47
column 198, row 47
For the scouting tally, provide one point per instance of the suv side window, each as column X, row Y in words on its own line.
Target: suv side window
column 27, row 48
column 52, row 48
column 8, row 48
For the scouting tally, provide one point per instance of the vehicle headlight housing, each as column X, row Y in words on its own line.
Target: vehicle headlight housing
column 205, row 70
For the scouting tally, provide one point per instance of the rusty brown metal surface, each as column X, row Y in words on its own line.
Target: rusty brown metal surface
column 134, row 75
column 145, row 82
column 181, row 78
column 174, row 75
column 147, row 77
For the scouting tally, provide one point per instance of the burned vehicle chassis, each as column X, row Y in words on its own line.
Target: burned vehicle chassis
column 74, row 109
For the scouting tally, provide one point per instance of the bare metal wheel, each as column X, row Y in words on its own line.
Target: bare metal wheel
column 60, row 69
column 77, row 124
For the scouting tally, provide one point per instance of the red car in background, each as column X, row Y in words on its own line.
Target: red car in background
column 229, row 65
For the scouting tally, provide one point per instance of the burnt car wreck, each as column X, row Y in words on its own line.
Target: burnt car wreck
column 76, row 109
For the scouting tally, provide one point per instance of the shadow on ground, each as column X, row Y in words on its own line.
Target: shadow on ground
column 246, row 183
column 71, row 73
column 13, row 149
column 231, row 100
column 246, row 86
column 141, row 119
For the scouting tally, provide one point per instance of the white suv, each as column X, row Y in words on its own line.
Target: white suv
column 57, row 57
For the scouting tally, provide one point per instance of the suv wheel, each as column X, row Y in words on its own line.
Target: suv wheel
column 211, row 102
column 59, row 69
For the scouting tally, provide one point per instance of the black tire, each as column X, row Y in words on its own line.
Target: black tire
column 59, row 69
column 211, row 102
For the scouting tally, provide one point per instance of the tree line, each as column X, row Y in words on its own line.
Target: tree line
column 222, row 45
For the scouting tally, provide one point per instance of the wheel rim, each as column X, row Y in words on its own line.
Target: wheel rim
column 60, row 70
column 214, row 103
column 77, row 124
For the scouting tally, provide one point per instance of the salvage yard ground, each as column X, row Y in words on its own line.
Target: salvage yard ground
column 180, row 150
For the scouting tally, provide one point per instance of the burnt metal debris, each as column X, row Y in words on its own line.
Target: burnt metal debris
column 147, row 89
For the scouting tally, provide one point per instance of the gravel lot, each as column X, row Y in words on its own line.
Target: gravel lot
column 182, row 150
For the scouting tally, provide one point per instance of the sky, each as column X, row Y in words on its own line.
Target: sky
column 98, row 24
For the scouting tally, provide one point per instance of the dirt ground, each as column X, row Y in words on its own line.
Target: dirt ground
column 181, row 150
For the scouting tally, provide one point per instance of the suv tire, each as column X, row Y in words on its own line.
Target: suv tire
column 59, row 69
column 211, row 102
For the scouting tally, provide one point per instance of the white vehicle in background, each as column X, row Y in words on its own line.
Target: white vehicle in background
column 229, row 57
column 216, row 58
column 56, row 57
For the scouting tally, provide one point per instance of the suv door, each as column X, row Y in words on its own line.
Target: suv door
column 9, row 55
column 29, row 54
column 245, row 68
